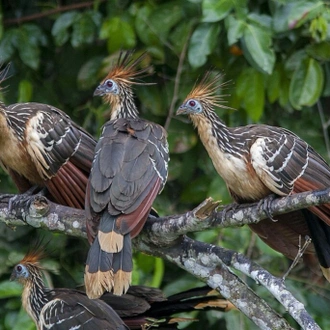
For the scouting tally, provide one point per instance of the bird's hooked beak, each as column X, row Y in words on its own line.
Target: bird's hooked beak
column 100, row 90
column 13, row 276
column 183, row 110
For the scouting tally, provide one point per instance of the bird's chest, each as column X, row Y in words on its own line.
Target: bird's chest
column 14, row 156
column 237, row 172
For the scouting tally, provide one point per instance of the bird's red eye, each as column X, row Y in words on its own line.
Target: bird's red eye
column 192, row 103
column 109, row 83
column 19, row 268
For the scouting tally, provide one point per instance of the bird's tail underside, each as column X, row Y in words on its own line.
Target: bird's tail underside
column 320, row 234
column 109, row 261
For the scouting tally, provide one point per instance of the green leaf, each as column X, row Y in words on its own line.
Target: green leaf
column 10, row 289
column 6, row 45
column 87, row 75
column 202, row 43
column 294, row 61
column 25, row 90
column 320, row 51
column 235, row 29
column 306, row 84
column 257, row 44
column 264, row 21
column 154, row 24
column 294, row 14
column 250, row 88
column 274, row 85
column 215, row 10
column 23, row 321
column 119, row 33
column 35, row 34
column 28, row 51
column 60, row 28
column 83, row 30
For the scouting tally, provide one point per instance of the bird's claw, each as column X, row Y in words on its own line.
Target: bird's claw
column 22, row 201
column 265, row 205
column 231, row 207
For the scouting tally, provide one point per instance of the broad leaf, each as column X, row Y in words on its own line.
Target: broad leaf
column 61, row 25
column 306, row 84
column 293, row 14
column 215, row 10
column 235, row 29
column 320, row 51
column 119, row 34
column 202, row 43
column 250, row 88
column 83, row 30
column 257, row 43
column 10, row 289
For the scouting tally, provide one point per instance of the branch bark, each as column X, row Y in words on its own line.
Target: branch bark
column 165, row 237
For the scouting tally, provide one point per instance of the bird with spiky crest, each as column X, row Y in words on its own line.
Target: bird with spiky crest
column 257, row 161
column 141, row 308
column 60, row 309
column 43, row 149
column 129, row 170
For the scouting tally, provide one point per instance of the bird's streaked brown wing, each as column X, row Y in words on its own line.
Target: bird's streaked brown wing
column 286, row 164
column 76, row 311
column 61, row 150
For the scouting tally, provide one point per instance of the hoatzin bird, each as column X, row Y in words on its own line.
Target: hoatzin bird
column 141, row 308
column 60, row 308
column 257, row 161
column 41, row 146
column 129, row 170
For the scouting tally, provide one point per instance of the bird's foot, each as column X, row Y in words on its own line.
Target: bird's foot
column 265, row 205
column 231, row 207
column 22, row 201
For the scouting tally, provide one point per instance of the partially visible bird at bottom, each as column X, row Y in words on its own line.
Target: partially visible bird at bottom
column 141, row 308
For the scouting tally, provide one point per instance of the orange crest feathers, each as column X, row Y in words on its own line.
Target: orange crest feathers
column 126, row 68
column 207, row 88
column 35, row 253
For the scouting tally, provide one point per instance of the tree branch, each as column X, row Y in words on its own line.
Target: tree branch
column 164, row 237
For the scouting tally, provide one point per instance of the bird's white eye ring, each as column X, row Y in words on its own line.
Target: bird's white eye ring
column 192, row 103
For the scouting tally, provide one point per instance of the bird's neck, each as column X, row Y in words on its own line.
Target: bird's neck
column 210, row 125
column 123, row 106
column 34, row 297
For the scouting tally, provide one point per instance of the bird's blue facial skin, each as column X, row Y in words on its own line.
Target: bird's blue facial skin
column 20, row 272
column 194, row 106
column 110, row 87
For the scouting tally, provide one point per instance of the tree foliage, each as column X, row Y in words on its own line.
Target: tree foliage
column 275, row 56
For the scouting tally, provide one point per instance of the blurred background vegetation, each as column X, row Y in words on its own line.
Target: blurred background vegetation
column 275, row 55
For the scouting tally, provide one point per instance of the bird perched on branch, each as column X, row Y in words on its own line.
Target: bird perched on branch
column 129, row 170
column 257, row 161
column 60, row 308
column 141, row 308
column 40, row 146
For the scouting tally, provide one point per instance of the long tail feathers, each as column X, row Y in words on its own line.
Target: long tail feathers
column 109, row 262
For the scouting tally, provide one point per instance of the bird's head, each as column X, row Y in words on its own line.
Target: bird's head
column 29, row 265
column 117, row 85
column 20, row 273
column 203, row 97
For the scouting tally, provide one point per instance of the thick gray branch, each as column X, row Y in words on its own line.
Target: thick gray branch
column 164, row 237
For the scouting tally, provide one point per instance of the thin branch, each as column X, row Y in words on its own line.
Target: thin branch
column 32, row 17
column 177, row 82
